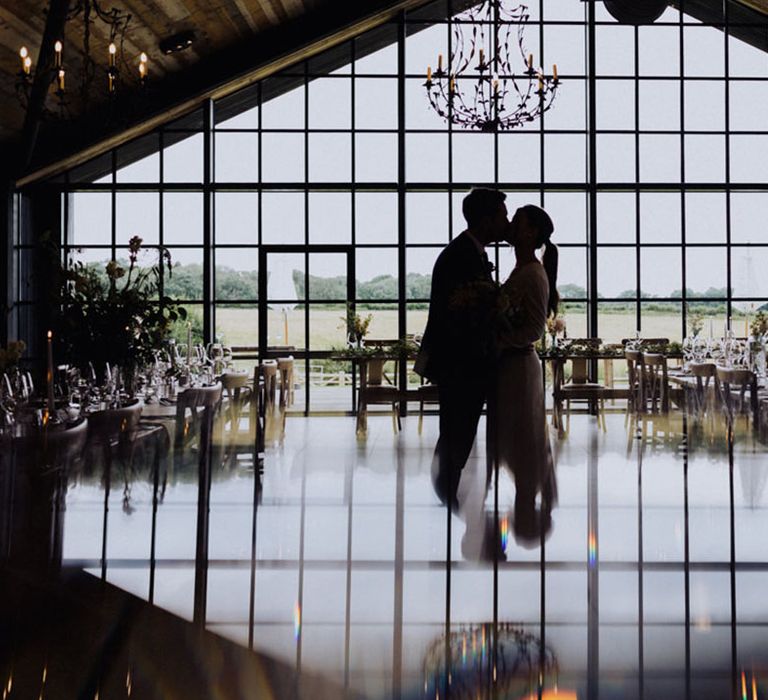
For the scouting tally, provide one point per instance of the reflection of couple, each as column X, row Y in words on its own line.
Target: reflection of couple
column 478, row 348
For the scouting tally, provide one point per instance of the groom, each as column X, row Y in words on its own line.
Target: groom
column 455, row 351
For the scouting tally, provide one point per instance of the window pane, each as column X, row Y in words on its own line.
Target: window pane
column 660, row 218
column 418, row 264
column 376, row 217
column 659, row 158
column 282, row 217
column 572, row 272
column 749, row 217
column 615, row 50
column 426, row 217
column 616, row 277
column 705, row 217
column 748, row 266
column 473, row 157
column 330, row 103
column 91, row 214
column 660, row 272
column 330, row 217
column 238, row 325
column 564, row 44
column 375, row 103
column 568, row 211
column 426, row 158
column 565, row 158
column 145, row 169
column 237, row 276
column 567, row 111
column 183, row 160
column 419, row 114
column 286, row 109
column 705, row 270
column 183, row 218
column 705, row 105
column 375, row 157
column 616, row 217
column 282, row 157
column 237, row 157
column 519, row 157
column 237, row 217
column 138, row 214
column 662, row 320
column 423, row 44
column 615, row 158
column 659, row 105
column 704, row 52
column 615, row 104
column 382, row 60
column 376, row 273
column 330, row 157
column 659, row 50
column 705, row 159
column 187, row 279
column 749, row 155
column 327, row 277
column 616, row 321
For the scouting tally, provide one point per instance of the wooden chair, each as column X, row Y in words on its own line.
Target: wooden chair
column 270, row 381
column 285, row 369
column 655, row 383
column 704, row 394
column 237, row 392
column 580, row 388
column 735, row 382
column 376, row 388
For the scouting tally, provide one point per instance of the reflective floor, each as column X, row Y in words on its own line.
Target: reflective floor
column 652, row 581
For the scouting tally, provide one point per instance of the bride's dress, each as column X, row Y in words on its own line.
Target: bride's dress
column 517, row 420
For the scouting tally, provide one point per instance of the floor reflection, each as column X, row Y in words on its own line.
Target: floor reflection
column 648, row 581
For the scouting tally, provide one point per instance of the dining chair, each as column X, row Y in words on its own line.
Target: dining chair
column 733, row 384
column 704, row 393
column 377, row 388
column 655, row 383
column 285, row 369
column 580, row 388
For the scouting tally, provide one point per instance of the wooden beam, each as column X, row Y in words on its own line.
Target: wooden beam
column 265, row 68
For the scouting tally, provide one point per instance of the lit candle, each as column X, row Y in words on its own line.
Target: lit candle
column 61, row 79
column 530, row 61
column 27, row 65
column 142, row 71
column 439, row 61
column 189, row 343
column 452, row 85
column 24, row 54
column 57, row 47
column 541, row 83
column 496, row 87
column 429, row 74
column 112, row 52
column 49, row 374
column 482, row 56
column 554, row 71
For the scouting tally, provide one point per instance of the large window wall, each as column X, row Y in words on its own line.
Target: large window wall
column 338, row 178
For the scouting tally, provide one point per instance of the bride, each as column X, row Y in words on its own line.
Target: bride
column 517, row 428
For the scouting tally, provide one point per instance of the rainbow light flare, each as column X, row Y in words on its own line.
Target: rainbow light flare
column 504, row 533
column 592, row 549
column 297, row 621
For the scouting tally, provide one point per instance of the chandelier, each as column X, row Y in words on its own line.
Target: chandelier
column 116, row 23
column 479, row 89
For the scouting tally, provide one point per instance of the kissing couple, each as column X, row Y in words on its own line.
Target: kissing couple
column 478, row 347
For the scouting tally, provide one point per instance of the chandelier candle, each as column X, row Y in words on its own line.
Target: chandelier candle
column 57, row 47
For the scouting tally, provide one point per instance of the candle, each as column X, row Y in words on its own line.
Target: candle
column 496, row 87
column 27, row 65
column 142, row 71
column 452, row 85
column 439, row 61
column 189, row 343
column 61, row 79
column 541, row 83
column 482, row 56
column 49, row 374
column 57, row 47
column 554, row 71
column 24, row 54
column 112, row 52
column 530, row 61
column 429, row 74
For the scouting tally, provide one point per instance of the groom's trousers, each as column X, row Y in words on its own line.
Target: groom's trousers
column 461, row 403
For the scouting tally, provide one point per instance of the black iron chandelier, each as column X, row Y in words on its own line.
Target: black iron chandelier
column 478, row 87
column 91, row 11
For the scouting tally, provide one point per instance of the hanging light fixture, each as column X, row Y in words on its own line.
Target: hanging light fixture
column 116, row 22
column 478, row 87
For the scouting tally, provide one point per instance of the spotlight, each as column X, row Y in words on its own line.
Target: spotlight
column 177, row 42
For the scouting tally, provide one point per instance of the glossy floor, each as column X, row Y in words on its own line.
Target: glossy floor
column 652, row 581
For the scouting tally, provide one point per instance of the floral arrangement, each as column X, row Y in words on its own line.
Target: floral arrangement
column 556, row 326
column 116, row 316
column 403, row 346
column 356, row 325
column 695, row 322
column 11, row 354
column 759, row 325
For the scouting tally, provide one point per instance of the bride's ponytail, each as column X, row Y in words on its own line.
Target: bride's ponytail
column 550, row 261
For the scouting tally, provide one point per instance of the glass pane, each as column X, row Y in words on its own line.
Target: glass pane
column 423, row 45
column 568, row 211
column 146, row 168
column 519, row 157
column 616, row 217
column 616, row 321
column 381, row 60
column 615, row 50
column 375, row 103
column 568, row 111
column 187, row 279
column 237, row 157
column 416, row 318
column 749, row 217
column 615, row 104
column 575, row 315
column 327, row 277
column 183, row 160
column 330, row 217
column 426, row 217
column 282, row 157
column 285, row 326
column 749, row 101
column 376, row 217
column 748, row 157
column 376, row 157
column 236, row 274
column 565, row 158
column 662, row 320
column 660, row 218
column 179, row 334
column 330, row 103
column 564, row 44
column 660, row 272
column 376, row 274
column 138, row 214
column 705, row 159
column 704, row 52
column 705, row 270
column 615, row 158
column 713, row 315
column 327, row 327
column 282, row 217
column 286, row 109
column 473, row 157
column 748, row 266
column 330, row 157
column 705, row 105
column 659, row 50
column 419, row 114
column 616, row 276
column 745, row 60
column 237, row 324
column 659, row 158
column 285, row 279
column 426, row 158
column 91, row 214
column 419, row 263
column 659, row 105
column 182, row 218
column 572, row 272
column 237, row 217
column 705, row 217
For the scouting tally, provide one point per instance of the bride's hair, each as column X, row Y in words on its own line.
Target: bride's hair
column 541, row 221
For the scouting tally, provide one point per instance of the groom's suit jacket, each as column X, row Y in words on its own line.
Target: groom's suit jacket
column 455, row 340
